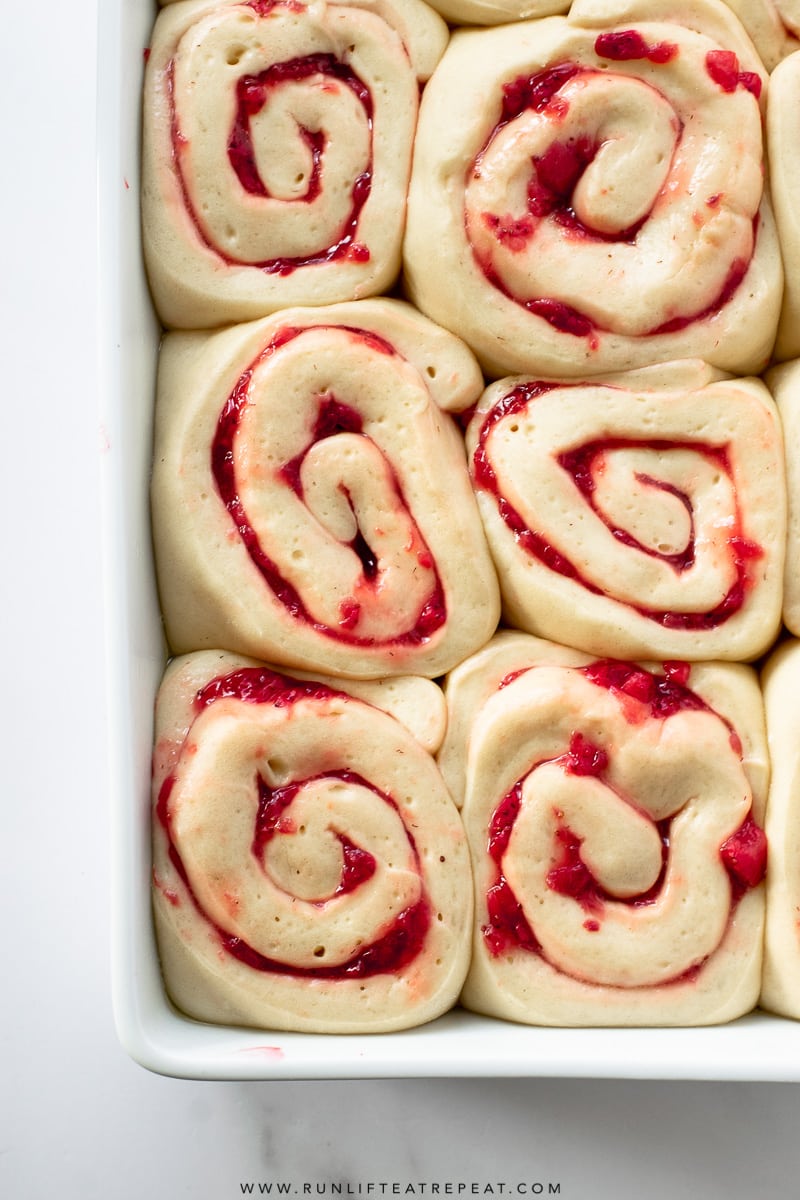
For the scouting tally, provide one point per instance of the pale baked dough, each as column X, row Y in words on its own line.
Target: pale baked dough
column 277, row 144
column 311, row 501
column 268, row 793
column 575, row 792
column 784, row 165
column 639, row 516
column 497, row 12
column 784, row 383
column 781, row 985
column 643, row 234
column 774, row 26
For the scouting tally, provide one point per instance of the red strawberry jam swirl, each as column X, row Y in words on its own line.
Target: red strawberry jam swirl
column 743, row 853
column 627, row 45
column 333, row 417
column 723, row 67
column 580, row 463
column 557, row 170
column 252, row 94
column 569, row 876
column 404, row 939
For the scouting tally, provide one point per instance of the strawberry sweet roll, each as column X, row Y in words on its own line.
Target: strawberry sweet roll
column 277, row 150
column 591, row 189
column 497, row 12
column 615, row 818
column 783, row 129
column 310, row 870
column 784, row 383
column 774, row 26
column 642, row 516
column 781, row 982
column 311, row 500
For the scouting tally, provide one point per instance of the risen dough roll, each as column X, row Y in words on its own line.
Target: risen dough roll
column 781, row 984
column 774, row 26
column 592, row 191
column 311, row 501
column 784, row 382
column 614, row 819
column 310, row 870
column 784, row 155
column 277, row 151
column 497, row 12
column 636, row 517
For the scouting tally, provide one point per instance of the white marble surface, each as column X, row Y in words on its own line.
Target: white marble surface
column 79, row 1120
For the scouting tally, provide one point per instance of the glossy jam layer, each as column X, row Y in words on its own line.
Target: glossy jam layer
column 743, row 854
column 358, row 865
column 663, row 693
column 627, row 45
column 570, row 876
column 556, row 172
column 580, row 464
column 584, row 757
column 333, row 417
column 402, row 942
column 736, row 274
column 723, row 67
column 251, row 94
column 507, row 926
column 390, row 954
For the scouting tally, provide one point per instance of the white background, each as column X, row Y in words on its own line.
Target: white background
column 78, row 1119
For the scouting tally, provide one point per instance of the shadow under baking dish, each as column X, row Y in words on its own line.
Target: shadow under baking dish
column 757, row 1047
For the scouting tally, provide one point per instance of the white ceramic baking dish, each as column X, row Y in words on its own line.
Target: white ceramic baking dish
column 757, row 1047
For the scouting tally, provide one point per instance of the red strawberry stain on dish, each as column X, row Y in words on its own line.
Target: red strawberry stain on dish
column 267, row 1051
